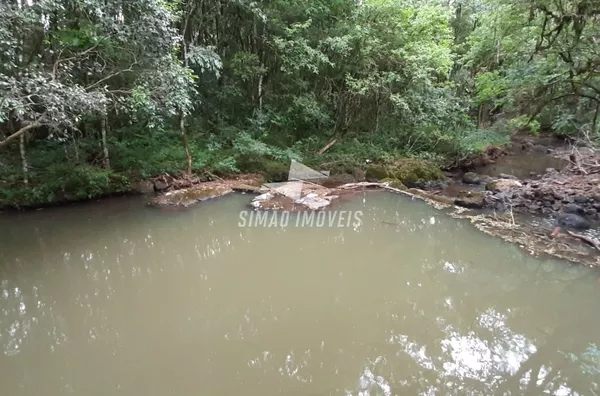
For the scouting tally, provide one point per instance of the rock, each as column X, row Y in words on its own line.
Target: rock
column 557, row 195
column 359, row 174
column 573, row 208
column 471, row 178
column 409, row 171
column 144, row 187
column 160, row 185
column 507, row 176
column 580, row 199
column 532, row 173
column 550, row 170
column 591, row 212
column 337, row 180
column 313, row 201
column 596, row 205
column 395, row 183
column 596, row 198
column 533, row 207
column 470, row 199
column 570, row 220
column 428, row 185
column 556, row 205
column 503, row 185
column 258, row 201
column 376, row 173
column 189, row 196
column 245, row 188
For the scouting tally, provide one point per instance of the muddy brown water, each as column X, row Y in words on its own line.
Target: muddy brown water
column 115, row 298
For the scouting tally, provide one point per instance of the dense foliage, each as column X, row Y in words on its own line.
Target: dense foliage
column 95, row 94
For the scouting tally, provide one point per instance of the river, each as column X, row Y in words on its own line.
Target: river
column 117, row 298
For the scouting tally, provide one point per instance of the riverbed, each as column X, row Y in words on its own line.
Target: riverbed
column 118, row 298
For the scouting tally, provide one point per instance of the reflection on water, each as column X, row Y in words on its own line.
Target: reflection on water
column 116, row 298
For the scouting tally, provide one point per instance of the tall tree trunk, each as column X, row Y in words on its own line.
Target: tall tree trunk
column 260, row 90
column 106, row 158
column 186, row 144
column 24, row 159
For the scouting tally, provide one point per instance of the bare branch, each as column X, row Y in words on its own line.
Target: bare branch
column 20, row 132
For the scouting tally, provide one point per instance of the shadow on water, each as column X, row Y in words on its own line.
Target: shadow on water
column 128, row 300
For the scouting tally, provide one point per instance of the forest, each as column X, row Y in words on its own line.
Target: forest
column 96, row 95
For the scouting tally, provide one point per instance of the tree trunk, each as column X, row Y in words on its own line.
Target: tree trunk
column 186, row 144
column 24, row 159
column 260, row 87
column 595, row 120
column 184, row 50
column 106, row 158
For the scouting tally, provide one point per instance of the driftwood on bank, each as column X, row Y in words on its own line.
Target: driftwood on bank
column 586, row 239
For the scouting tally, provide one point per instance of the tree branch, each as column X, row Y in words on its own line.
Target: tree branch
column 19, row 133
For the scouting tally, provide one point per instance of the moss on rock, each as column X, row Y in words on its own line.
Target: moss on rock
column 377, row 172
column 394, row 183
column 408, row 171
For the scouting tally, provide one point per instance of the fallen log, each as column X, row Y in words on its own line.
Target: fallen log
column 328, row 146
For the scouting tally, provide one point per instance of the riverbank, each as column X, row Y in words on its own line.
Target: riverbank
column 512, row 192
column 520, row 210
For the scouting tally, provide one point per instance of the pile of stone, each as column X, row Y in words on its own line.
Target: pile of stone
column 553, row 193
